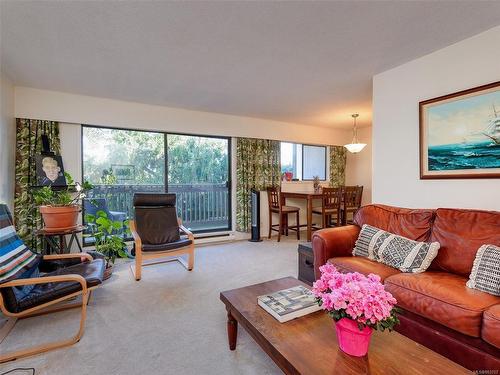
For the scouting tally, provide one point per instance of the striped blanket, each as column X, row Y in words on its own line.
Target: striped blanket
column 15, row 257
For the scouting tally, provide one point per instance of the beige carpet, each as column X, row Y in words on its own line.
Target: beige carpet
column 171, row 322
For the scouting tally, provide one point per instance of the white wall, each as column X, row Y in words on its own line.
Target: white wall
column 396, row 94
column 71, row 149
column 7, row 142
column 73, row 110
column 80, row 109
column 359, row 166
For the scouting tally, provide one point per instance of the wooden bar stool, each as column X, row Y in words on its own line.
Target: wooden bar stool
column 276, row 206
column 330, row 207
column 352, row 201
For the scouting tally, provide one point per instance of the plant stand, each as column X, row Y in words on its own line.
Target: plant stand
column 60, row 246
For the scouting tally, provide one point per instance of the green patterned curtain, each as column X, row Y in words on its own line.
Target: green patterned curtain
column 338, row 156
column 257, row 167
column 29, row 144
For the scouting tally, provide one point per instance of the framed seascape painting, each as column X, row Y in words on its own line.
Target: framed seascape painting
column 460, row 134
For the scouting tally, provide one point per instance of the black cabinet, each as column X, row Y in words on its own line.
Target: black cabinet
column 306, row 263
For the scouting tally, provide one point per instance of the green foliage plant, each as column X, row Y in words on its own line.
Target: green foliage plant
column 70, row 195
column 108, row 240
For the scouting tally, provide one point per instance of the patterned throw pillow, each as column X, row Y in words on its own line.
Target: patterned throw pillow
column 395, row 251
column 485, row 275
column 15, row 257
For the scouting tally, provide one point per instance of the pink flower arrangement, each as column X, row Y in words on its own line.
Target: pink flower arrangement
column 360, row 298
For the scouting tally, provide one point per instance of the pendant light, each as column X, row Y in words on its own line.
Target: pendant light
column 355, row 146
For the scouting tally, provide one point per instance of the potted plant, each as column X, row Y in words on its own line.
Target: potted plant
column 316, row 184
column 60, row 206
column 358, row 304
column 109, row 238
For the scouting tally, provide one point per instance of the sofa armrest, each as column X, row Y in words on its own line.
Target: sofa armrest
column 333, row 242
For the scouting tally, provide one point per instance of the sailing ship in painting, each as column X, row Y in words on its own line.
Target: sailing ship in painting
column 493, row 129
column 478, row 150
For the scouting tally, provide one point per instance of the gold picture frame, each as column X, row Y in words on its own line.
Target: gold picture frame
column 460, row 134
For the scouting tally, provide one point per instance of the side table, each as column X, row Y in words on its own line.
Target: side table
column 50, row 244
column 306, row 263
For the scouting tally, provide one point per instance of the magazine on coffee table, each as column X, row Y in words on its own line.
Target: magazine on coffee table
column 288, row 304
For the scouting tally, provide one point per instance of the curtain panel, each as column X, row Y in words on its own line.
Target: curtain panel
column 257, row 167
column 338, row 159
column 28, row 144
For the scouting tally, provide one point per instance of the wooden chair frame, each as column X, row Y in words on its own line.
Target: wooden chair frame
column 48, row 307
column 173, row 255
column 327, row 207
column 352, row 196
column 276, row 204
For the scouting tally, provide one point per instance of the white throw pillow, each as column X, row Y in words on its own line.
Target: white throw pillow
column 485, row 275
column 396, row 251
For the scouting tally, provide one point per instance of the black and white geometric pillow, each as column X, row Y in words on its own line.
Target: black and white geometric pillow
column 485, row 275
column 369, row 239
column 395, row 251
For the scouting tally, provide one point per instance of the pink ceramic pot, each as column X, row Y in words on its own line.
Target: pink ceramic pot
column 351, row 340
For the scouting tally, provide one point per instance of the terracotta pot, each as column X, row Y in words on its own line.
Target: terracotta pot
column 108, row 271
column 351, row 340
column 58, row 218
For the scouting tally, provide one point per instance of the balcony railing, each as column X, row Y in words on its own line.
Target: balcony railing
column 201, row 206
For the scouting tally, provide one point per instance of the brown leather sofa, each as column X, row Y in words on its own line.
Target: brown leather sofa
column 439, row 311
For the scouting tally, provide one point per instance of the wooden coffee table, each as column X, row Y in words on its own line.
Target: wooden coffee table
column 308, row 345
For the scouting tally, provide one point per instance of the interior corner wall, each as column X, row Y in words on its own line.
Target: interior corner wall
column 359, row 166
column 396, row 95
column 7, row 142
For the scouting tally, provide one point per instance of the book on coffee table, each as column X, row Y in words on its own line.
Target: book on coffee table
column 288, row 304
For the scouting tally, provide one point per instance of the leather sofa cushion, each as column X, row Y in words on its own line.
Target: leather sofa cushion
column 157, row 225
column 52, row 265
column 154, row 200
column 363, row 265
column 93, row 272
column 170, row 246
column 461, row 233
column 490, row 332
column 414, row 224
column 442, row 297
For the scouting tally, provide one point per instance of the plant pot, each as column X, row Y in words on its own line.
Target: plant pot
column 57, row 218
column 351, row 340
column 108, row 271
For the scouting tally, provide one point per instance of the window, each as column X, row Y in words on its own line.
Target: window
column 121, row 162
column 303, row 161
column 198, row 172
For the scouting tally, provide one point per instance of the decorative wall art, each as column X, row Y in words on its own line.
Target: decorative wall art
column 460, row 134
column 49, row 170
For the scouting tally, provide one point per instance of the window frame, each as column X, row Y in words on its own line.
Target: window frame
column 302, row 161
column 165, row 145
column 326, row 167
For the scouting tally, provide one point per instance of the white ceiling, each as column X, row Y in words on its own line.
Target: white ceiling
column 303, row 62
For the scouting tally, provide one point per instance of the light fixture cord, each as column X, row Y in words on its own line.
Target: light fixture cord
column 355, row 132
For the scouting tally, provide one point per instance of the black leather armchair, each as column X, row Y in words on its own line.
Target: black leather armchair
column 158, row 233
column 62, row 277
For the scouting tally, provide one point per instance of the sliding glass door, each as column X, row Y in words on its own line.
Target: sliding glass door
column 121, row 162
column 198, row 172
